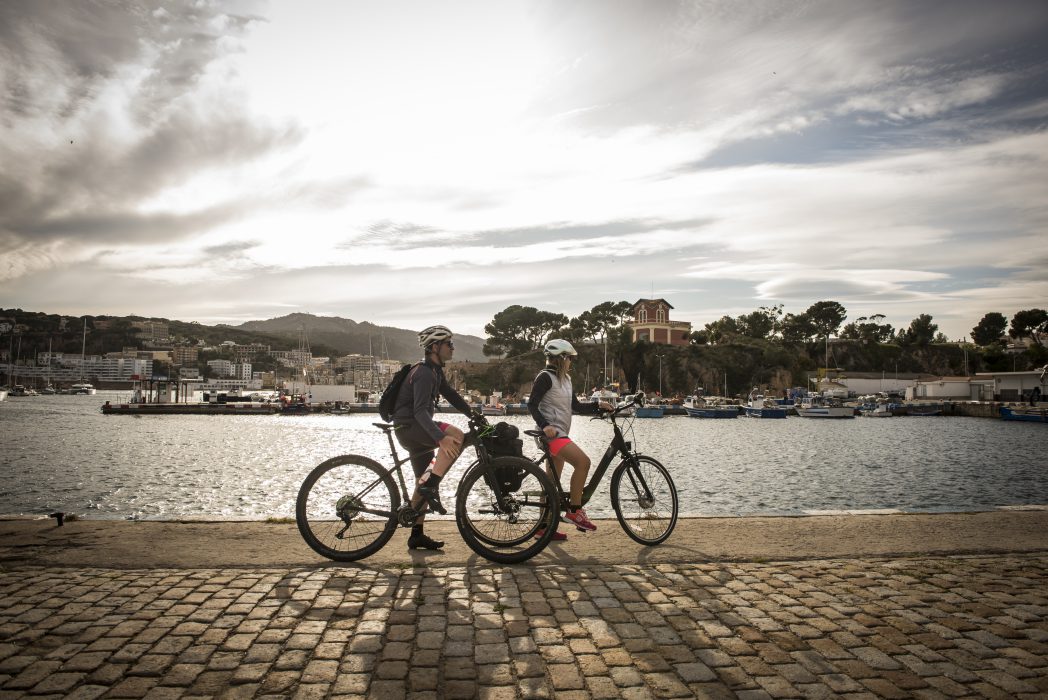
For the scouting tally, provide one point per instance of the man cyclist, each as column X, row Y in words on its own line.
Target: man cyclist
column 420, row 435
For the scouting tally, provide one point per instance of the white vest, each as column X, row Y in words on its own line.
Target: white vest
column 555, row 406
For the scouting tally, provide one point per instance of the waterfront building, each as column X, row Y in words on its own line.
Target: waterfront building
column 1017, row 386
column 651, row 322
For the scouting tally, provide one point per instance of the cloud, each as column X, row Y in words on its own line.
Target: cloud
column 403, row 162
column 107, row 105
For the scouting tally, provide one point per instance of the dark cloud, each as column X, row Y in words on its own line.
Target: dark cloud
column 685, row 65
column 69, row 171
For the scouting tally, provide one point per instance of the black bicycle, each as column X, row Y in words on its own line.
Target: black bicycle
column 349, row 506
column 642, row 492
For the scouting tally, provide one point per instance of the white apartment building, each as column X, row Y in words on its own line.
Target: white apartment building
column 221, row 368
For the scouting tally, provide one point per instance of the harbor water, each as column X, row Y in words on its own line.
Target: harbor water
column 59, row 453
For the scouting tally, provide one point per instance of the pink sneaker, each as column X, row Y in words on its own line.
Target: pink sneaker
column 558, row 536
column 579, row 520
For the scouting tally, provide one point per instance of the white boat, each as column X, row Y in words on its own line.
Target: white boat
column 815, row 406
column 882, row 410
column 82, row 388
column 493, row 410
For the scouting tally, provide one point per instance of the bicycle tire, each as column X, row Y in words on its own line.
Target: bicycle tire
column 513, row 535
column 643, row 519
column 326, row 509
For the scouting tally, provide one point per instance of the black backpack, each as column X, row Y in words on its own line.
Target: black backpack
column 388, row 401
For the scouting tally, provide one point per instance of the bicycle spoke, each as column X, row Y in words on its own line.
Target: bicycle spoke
column 645, row 500
column 511, row 529
column 346, row 508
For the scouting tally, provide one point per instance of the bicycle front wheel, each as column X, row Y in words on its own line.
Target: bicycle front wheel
column 644, row 499
column 518, row 527
column 346, row 508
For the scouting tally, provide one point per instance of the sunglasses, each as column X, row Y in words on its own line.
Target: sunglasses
column 450, row 344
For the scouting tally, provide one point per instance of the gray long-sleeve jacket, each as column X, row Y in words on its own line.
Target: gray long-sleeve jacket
column 417, row 400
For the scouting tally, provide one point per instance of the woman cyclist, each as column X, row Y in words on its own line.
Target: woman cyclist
column 551, row 404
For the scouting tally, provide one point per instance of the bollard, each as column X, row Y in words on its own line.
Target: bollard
column 59, row 516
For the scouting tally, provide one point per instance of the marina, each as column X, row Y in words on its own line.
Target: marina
column 62, row 454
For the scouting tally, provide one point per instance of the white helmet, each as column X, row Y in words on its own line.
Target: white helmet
column 433, row 334
column 556, row 348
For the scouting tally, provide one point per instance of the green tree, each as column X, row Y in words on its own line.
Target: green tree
column 797, row 328
column 1029, row 324
column 826, row 317
column 761, row 323
column 518, row 329
column 506, row 332
column 869, row 330
column 722, row 330
column 990, row 329
column 921, row 331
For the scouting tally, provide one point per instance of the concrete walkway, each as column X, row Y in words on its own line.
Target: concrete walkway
column 926, row 626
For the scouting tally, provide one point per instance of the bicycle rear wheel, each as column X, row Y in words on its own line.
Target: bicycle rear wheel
column 346, row 508
column 644, row 499
column 521, row 525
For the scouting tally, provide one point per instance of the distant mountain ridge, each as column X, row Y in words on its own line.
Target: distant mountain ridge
column 348, row 336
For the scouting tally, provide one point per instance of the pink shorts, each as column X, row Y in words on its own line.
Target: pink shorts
column 557, row 444
column 443, row 426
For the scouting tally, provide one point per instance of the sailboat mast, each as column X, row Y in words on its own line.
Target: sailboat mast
column 83, row 351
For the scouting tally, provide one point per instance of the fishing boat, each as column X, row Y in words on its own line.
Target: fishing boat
column 712, row 411
column 649, row 412
column 759, row 407
column 815, row 406
column 881, row 410
column 1030, row 415
column 493, row 409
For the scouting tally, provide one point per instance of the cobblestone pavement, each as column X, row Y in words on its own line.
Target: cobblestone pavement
column 929, row 628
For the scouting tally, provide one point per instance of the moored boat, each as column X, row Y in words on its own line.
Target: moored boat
column 1030, row 415
column 882, row 410
column 815, row 406
column 759, row 407
column 649, row 412
column 712, row 411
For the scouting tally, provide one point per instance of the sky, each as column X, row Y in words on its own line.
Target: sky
column 418, row 162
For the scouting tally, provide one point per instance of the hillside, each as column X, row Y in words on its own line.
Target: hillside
column 327, row 336
column 346, row 336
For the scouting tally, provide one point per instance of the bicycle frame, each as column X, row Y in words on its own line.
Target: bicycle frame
column 471, row 439
column 619, row 446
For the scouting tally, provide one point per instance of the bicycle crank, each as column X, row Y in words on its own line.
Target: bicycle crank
column 407, row 515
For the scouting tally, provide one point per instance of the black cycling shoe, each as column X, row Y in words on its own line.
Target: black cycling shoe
column 432, row 496
column 423, row 541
